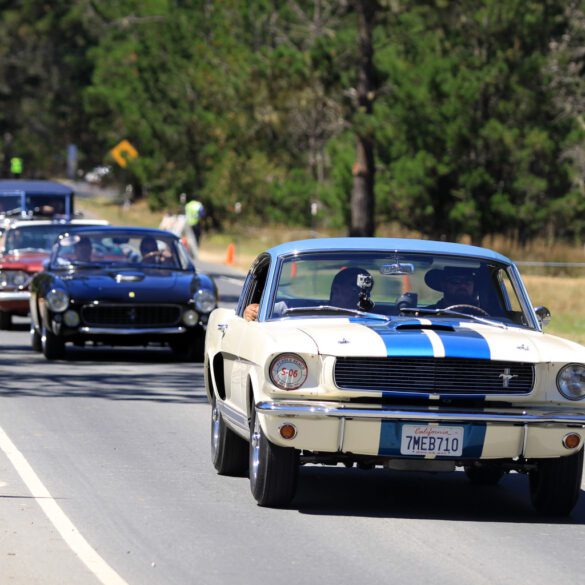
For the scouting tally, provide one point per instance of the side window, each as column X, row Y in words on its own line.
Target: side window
column 254, row 285
column 510, row 299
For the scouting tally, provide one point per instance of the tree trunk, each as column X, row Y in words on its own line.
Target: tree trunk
column 362, row 195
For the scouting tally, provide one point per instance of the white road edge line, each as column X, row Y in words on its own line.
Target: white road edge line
column 88, row 556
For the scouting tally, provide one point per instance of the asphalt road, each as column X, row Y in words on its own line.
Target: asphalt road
column 117, row 443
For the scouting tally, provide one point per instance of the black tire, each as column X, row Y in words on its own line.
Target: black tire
column 229, row 452
column 5, row 320
column 556, row 483
column 484, row 474
column 35, row 339
column 53, row 346
column 189, row 348
column 273, row 469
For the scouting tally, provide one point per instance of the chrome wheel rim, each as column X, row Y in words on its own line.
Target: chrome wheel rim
column 255, row 450
column 214, row 428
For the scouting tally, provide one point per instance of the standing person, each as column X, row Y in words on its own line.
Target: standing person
column 195, row 212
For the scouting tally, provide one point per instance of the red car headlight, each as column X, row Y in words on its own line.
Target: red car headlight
column 288, row 371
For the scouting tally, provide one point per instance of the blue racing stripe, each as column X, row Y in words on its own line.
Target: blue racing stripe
column 410, row 343
column 391, row 435
column 465, row 343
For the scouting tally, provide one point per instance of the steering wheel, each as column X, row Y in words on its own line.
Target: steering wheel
column 473, row 308
column 155, row 255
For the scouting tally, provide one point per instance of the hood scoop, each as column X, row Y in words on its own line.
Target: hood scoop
column 419, row 326
column 129, row 277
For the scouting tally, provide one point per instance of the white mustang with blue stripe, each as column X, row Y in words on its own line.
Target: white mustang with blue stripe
column 404, row 354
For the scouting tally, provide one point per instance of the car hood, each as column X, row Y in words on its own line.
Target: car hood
column 29, row 261
column 140, row 285
column 447, row 338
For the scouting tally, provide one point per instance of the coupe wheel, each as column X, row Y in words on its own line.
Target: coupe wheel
column 555, row 484
column 484, row 474
column 5, row 320
column 229, row 452
column 189, row 348
column 273, row 469
column 53, row 346
column 35, row 339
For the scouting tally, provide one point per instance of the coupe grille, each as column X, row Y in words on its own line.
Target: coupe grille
column 131, row 315
column 437, row 376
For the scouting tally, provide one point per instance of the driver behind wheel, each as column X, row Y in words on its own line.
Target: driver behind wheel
column 456, row 284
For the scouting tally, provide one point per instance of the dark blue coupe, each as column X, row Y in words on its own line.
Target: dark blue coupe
column 120, row 286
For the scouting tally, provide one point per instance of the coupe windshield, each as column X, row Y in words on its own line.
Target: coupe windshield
column 398, row 284
column 32, row 237
column 119, row 249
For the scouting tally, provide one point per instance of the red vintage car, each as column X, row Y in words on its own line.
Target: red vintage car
column 24, row 247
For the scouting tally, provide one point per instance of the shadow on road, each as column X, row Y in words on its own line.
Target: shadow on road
column 379, row 493
column 116, row 374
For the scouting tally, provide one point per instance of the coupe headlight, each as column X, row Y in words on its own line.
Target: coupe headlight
column 288, row 371
column 13, row 278
column 204, row 301
column 57, row 300
column 571, row 381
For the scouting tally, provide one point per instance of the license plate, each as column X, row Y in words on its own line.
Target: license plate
column 431, row 440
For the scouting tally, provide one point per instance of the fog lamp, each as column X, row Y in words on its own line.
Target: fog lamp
column 571, row 441
column 190, row 317
column 71, row 318
column 288, row 431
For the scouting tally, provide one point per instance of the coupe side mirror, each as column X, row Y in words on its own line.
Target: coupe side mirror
column 543, row 315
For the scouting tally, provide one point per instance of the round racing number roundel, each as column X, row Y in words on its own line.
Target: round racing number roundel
column 288, row 371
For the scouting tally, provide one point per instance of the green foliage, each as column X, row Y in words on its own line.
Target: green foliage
column 477, row 116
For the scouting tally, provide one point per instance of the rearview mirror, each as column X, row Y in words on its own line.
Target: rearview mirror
column 397, row 268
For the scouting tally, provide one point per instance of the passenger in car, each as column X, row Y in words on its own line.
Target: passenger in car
column 346, row 293
column 456, row 284
column 83, row 249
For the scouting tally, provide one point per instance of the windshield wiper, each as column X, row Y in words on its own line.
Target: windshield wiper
column 438, row 312
column 333, row 310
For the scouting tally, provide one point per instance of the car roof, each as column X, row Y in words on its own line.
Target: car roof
column 386, row 245
column 39, row 222
column 34, row 187
column 125, row 229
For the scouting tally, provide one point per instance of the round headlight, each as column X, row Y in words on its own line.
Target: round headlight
column 571, row 381
column 71, row 318
column 204, row 301
column 57, row 300
column 288, row 371
column 19, row 277
column 190, row 318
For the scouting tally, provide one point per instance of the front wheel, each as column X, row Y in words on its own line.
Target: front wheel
column 273, row 469
column 52, row 345
column 229, row 452
column 5, row 320
column 35, row 339
column 555, row 484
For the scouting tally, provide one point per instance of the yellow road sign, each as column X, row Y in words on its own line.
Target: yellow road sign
column 123, row 152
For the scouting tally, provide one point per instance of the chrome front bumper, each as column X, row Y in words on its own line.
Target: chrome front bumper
column 20, row 295
column 336, row 410
column 149, row 331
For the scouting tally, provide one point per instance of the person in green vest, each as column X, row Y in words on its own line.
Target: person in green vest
column 16, row 166
column 195, row 212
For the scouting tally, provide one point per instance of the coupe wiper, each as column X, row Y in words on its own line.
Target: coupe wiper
column 333, row 310
column 450, row 313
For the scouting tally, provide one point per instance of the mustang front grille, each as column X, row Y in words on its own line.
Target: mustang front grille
column 129, row 316
column 432, row 375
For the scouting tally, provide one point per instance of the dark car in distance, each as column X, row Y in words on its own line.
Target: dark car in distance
column 35, row 198
column 120, row 286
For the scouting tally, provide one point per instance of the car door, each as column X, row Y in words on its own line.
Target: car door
column 238, row 333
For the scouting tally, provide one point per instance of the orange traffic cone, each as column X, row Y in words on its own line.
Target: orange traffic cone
column 231, row 251
column 293, row 269
column 405, row 283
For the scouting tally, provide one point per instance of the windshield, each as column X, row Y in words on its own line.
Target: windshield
column 119, row 249
column 47, row 205
column 32, row 237
column 10, row 204
column 399, row 285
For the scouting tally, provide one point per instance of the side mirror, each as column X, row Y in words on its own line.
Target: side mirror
column 543, row 315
